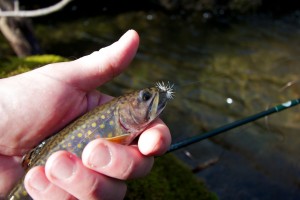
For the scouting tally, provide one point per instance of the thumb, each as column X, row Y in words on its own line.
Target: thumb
column 93, row 70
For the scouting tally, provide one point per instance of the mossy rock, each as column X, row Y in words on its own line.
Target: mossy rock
column 169, row 179
column 13, row 65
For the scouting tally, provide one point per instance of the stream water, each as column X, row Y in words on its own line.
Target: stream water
column 222, row 72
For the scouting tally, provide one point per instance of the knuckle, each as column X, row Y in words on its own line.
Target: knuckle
column 94, row 190
column 127, row 171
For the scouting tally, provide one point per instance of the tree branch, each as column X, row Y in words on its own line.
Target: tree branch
column 35, row 13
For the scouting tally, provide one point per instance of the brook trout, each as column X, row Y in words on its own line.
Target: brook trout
column 120, row 120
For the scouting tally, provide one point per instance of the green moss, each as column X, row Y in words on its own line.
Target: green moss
column 14, row 65
column 169, row 179
column 44, row 59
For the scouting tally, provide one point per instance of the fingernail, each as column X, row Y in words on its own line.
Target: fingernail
column 100, row 156
column 38, row 181
column 63, row 167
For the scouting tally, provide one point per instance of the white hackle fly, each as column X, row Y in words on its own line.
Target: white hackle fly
column 168, row 88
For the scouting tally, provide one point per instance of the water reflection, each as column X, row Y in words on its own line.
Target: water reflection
column 221, row 74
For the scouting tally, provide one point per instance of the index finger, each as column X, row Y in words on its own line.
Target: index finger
column 155, row 140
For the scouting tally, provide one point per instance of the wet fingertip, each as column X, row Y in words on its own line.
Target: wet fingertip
column 39, row 187
column 97, row 154
column 155, row 141
column 36, row 180
column 61, row 166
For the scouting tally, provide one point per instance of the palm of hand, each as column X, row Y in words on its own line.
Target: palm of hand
column 49, row 105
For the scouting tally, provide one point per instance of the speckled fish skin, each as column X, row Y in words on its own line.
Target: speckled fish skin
column 120, row 120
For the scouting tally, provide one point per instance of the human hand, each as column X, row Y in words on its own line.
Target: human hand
column 38, row 103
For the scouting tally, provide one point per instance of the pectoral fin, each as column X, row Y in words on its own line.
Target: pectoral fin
column 122, row 139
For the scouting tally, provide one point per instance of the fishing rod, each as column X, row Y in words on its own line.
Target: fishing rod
column 232, row 125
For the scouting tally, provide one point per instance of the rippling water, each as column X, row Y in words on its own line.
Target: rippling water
column 254, row 63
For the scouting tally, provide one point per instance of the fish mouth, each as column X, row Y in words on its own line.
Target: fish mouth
column 157, row 105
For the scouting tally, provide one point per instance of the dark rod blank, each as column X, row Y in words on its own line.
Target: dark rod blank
column 232, row 125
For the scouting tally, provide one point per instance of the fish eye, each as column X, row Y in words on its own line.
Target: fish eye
column 145, row 95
